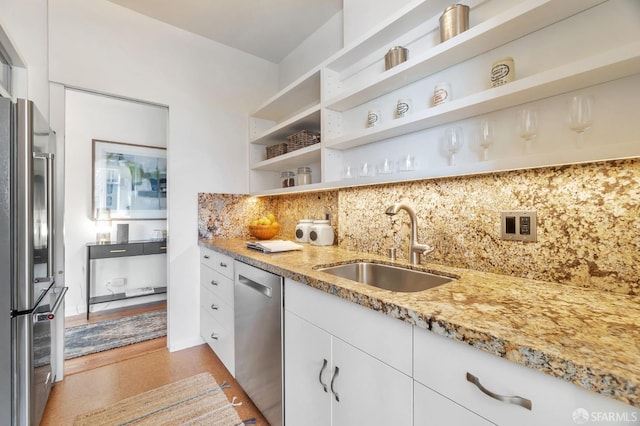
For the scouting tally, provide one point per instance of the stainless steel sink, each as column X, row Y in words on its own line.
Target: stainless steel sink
column 387, row 277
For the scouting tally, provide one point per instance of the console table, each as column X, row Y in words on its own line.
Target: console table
column 112, row 250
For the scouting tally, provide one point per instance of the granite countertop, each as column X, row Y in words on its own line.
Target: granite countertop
column 588, row 337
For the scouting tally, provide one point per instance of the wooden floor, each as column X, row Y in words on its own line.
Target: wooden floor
column 101, row 379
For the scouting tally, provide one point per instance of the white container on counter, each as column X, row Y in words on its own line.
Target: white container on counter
column 321, row 233
column 303, row 228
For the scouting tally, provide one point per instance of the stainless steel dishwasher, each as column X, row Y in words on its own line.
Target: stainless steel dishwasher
column 258, row 338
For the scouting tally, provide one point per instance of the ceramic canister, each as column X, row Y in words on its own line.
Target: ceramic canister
column 321, row 233
column 302, row 230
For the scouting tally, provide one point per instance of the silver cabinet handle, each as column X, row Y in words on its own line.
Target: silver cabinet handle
column 265, row 290
column 214, row 307
column 118, row 251
column 214, row 282
column 324, row 365
column 515, row 400
column 333, row 379
column 213, row 336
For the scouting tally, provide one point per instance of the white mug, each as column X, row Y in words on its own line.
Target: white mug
column 373, row 117
column 403, row 108
column 441, row 93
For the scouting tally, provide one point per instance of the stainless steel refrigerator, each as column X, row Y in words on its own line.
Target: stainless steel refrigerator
column 29, row 294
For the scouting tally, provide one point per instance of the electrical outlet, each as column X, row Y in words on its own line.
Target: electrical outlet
column 518, row 225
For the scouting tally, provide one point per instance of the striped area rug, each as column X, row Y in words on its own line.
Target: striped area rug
column 196, row 400
column 104, row 335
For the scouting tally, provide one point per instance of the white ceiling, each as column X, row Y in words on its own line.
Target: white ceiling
column 270, row 29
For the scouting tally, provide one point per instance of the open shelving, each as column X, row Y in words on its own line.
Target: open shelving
column 514, row 23
column 327, row 98
column 621, row 62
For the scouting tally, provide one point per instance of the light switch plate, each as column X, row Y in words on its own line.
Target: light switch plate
column 519, row 225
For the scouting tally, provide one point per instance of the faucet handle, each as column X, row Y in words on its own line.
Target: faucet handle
column 423, row 248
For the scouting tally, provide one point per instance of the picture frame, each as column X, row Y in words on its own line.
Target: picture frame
column 129, row 181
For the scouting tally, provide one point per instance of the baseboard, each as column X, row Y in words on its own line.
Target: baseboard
column 180, row 344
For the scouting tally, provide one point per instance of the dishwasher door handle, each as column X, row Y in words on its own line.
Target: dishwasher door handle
column 265, row 290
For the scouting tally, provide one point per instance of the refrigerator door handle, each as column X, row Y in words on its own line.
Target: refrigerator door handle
column 51, row 314
column 49, row 173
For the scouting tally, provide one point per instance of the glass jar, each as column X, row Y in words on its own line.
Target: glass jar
column 287, row 179
column 304, row 175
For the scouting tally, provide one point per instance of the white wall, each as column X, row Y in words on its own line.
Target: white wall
column 361, row 15
column 25, row 22
column 324, row 42
column 209, row 90
column 91, row 116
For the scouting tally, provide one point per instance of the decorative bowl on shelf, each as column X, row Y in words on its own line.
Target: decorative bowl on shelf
column 264, row 232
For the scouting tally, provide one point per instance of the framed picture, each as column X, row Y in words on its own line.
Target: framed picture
column 129, row 181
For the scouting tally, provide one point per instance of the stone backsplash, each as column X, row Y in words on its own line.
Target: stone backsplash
column 588, row 221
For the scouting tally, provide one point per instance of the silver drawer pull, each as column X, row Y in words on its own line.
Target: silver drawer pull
column 324, row 365
column 214, row 307
column 515, row 400
column 222, row 264
column 213, row 336
column 214, row 282
column 118, row 251
column 333, row 379
column 163, row 247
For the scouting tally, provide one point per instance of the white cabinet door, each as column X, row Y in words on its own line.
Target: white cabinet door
column 307, row 354
column 433, row 409
column 329, row 382
column 369, row 391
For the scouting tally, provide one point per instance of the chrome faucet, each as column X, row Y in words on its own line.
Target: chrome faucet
column 415, row 249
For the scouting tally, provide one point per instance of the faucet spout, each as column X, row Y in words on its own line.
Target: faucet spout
column 415, row 249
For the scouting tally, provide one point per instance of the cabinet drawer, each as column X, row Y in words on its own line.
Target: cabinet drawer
column 431, row 408
column 219, row 309
column 115, row 250
column 157, row 247
column 387, row 339
column 217, row 261
column 219, row 338
column 217, row 283
column 442, row 364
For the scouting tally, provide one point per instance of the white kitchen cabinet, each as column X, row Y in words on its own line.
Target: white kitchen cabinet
column 354, row 386
column 330, row 382
column 216, row 305
column 307, row 373
column 530, row 397
column 334, row 96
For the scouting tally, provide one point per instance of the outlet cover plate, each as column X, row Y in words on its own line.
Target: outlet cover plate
column 519, row 225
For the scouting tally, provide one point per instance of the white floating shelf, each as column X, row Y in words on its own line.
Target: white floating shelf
column 569, row 155
column 306, row 120
column 293, row 189
column 299, row 157
column 614, row 64
column 299, row 95
column 515, row 22
column 410, row 16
